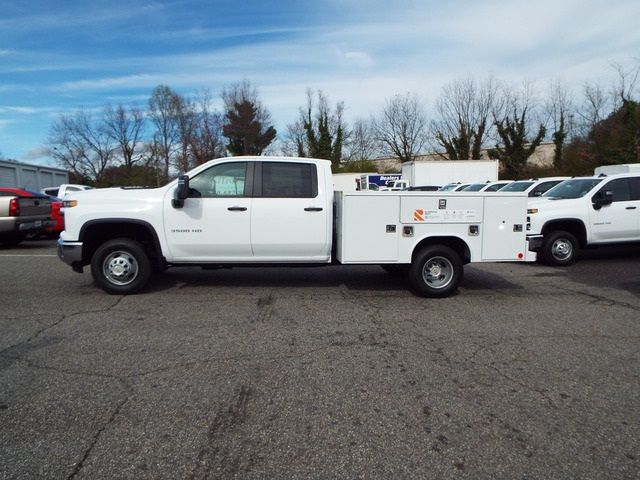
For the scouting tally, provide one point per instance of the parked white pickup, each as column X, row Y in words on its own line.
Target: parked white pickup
column 274, row 211
column 583, row 212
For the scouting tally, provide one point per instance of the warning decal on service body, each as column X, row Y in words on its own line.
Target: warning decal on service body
column 422, row 215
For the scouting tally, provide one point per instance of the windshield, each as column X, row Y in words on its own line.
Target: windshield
column 449, row 187
column 574, row 188
column 475, row 187
column 495, row 187
column 517, row 187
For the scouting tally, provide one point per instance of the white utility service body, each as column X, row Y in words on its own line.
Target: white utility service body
column 280, row 211
column 442, row 172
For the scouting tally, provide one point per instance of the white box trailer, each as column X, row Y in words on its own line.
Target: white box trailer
column 441, row 172
column 347, row 182
column 615, row 169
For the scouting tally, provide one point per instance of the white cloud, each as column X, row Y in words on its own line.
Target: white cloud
column 360, row 59
column 36, row 154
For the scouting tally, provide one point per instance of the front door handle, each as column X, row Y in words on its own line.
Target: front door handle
column 237, row 209
column 313, row 209
column 630, row 208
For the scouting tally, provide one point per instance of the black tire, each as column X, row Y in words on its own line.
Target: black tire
column 436, row 272
column 121, row 266
column 395, row 269
column 11, row 241
column 559, row 249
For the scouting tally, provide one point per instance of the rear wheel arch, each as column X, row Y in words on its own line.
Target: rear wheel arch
column 457, row 244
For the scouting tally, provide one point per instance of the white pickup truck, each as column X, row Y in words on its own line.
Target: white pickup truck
column 247, row 211
column 583, row 212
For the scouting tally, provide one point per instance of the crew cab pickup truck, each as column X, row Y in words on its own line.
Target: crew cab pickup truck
column 583, row 212
column 21, row 213
column 248, row 211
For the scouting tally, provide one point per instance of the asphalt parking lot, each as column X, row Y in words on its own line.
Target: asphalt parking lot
column 338, row 372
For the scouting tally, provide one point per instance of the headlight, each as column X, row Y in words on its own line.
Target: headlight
column 69, row 203
column 532, row 210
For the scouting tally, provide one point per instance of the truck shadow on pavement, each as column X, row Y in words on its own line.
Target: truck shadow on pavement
column 357, row 278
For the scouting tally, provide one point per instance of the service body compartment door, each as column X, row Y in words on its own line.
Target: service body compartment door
column 369, row 228
column 504, row 228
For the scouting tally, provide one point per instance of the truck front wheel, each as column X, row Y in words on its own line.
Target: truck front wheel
column 121, row 266
column 436, row 272
column 559, row 248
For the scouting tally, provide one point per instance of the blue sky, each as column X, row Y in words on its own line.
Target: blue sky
column 57, row 56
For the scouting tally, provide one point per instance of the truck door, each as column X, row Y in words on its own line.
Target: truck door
column 618, row 221
column 289, row 217
column 215, row 222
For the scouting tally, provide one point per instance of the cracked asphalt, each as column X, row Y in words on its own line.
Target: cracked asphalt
column 338, row 372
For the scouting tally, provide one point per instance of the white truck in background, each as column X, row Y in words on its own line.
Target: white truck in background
column 248, row 211
column 583, row 212
column 442, row 172
column 65, row 189
column 614, row 169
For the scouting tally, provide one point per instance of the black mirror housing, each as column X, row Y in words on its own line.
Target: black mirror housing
column 181, row 193
column 602, row 198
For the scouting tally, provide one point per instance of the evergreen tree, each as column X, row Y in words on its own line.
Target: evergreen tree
column 246, row 125
column 324, row 131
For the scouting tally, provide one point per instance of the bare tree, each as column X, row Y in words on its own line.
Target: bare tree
column 464, row 108
column 207, row 140
column 624, row 88
column 82, row 144
column 558, row 110
column 293, row 142
column 125, row 127
column 66, row 148
column 162, row 111
column 595, row 107
column 402, row 126
column 362, row 144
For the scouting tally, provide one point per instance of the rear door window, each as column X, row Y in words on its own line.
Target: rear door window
column 288, row 180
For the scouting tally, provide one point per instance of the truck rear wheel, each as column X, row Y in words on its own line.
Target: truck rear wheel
column 436, row 272
column 559, row 248
column 121, row 266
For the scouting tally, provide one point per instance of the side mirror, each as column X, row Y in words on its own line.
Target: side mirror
column 602, row 198
column 181, row 192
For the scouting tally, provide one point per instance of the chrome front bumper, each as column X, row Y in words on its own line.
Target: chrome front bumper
column 70, row 253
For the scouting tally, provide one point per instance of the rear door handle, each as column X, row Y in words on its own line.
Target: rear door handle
column 237, row 209
column 630, row 208
column 313, row 209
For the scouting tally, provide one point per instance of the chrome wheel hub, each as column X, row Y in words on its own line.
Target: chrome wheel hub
column 437, row 272
column 561, row 249
column 120, row 268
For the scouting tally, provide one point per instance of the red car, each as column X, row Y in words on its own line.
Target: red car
column 56, row 215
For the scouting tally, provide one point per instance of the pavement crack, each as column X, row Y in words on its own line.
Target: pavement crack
column 40, row 331
column 524, row 385
column 601, row 299
column 97, row 435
